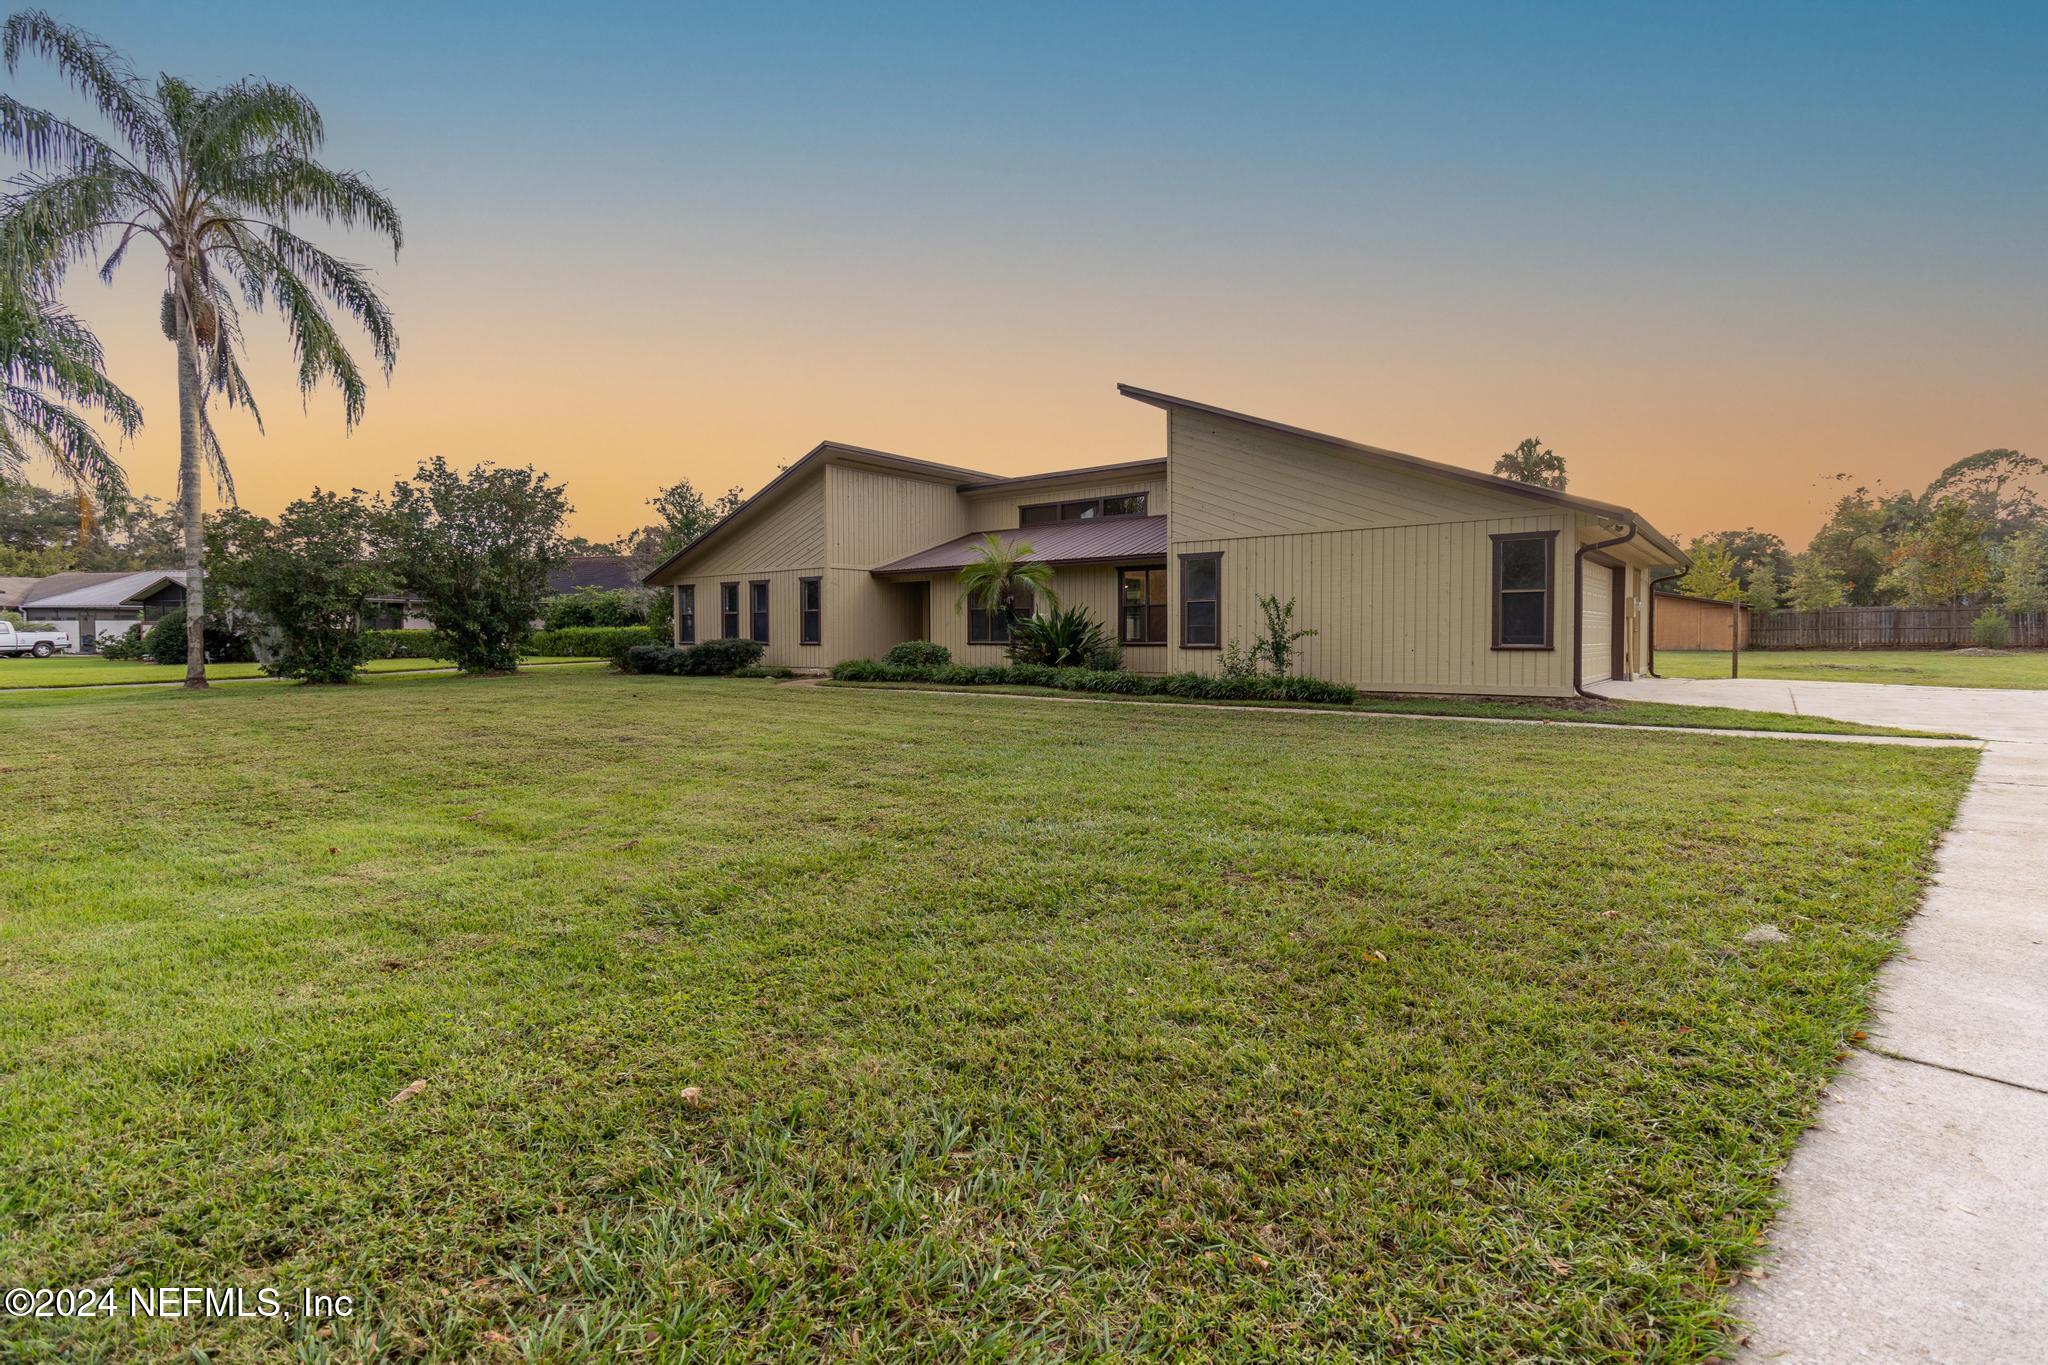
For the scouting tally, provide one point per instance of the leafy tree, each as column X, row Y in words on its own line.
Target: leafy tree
column 1814, row 586
column 685, row 514
column 1530, row 462
column 1762, row 592
column 1002, row 573
column 1749, row 550
column 595, row 607
column 1712, row 574
column 1944, row 563
column 1857, row 541
column 476, row 550
column 309, row 576
column 2023, row 573
column 212, row 177
column 2002, row 488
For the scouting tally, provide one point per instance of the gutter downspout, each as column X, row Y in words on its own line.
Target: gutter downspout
column 1668, row 578
column 1579, row 607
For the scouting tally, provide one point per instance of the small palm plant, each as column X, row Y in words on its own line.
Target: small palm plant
column 1001, row 574
column 1060, row 639
column 214, row 178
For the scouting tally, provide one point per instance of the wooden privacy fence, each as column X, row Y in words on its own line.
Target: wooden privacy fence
column 1888, row 628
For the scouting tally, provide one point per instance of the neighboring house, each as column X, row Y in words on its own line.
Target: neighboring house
column 606, row 573
column 396, row 611
column 1416, row 576
column 11, row 589
column 87, row 606
column 1687, row 622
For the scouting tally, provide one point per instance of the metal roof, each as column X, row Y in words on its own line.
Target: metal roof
column 1097, row 540
column 65, row 591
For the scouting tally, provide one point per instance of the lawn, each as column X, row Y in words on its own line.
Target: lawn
column 2017, row 668
column 768, row 1021
column 73, row 670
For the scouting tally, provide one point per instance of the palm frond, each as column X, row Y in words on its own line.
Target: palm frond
column 97, row 72
column 40, row 138
column 282, row 182
column 253, row 115
column 346, row 285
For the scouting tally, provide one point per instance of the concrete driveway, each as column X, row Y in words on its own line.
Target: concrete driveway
column 1915, row 1225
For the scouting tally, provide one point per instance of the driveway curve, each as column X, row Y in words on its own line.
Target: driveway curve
column 1915, row 1225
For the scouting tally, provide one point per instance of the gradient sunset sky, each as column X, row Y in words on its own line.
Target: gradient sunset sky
column 1712, row 254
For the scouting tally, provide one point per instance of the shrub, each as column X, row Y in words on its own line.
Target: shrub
column 593, row 642
column 1990, row 629
column 713, row 658
column 764, row 671
column 587, row 607
column 127, row 647
column 1060, row 638
column 1192, row 686
column 308, row 576
column 165, row 642
column 918, row 654
column 404, row 644
column 1106, row 656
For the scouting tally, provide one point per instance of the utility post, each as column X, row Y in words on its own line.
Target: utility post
column 1735, row 638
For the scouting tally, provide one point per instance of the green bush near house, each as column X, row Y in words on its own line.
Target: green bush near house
column 165, row 642
column 405, row 644
column 712, row 658
column 591, row 642
column 918, row 654
column 127, row 647
column 601, row 607
column 1991, row 630
column 764, row 671
column 1193, row 686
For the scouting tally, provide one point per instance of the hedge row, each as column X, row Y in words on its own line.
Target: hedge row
column 712, row 658
column 592, row 642
column 404, row 644
column 1194, row 686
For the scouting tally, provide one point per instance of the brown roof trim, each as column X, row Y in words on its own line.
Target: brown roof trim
column 817, row 455
column 1695, row 597
column 1064, row 475
column 1471, row 476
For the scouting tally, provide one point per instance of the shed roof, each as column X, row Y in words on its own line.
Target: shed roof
column 84, row 591
column 1097, row 540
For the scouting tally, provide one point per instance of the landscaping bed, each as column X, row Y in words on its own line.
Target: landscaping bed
column 787, row 1021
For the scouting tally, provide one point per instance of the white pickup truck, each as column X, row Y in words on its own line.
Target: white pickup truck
column 16, row 640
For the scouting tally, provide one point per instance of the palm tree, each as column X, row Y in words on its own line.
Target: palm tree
column 1001, row 572
column 214, row 178
column 51, row 377
column 1532, row 462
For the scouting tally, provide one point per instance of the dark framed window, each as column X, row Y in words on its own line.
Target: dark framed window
column 686, row 614
column 1201, row 595
column 1082, row 509
column 728, row 611
column 757, row 610
column 985, row 627
column 1142, row 596
column 810, row 608
column 1524, row 584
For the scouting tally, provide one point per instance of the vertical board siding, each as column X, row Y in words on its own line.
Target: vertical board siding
column 784, row 625
column 997, row 509
column 874, row 517
column 1689, row 623
column 1880, row 628
column 788, row 533
column 1091, row 586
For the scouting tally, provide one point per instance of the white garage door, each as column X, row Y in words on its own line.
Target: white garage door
column 1596, row 640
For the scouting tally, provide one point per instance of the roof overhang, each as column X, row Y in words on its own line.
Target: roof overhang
column 1533, row 492
column 1128, row 469
column 1104, row 540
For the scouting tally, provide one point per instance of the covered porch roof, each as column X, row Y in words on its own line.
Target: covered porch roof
column 1099, row 540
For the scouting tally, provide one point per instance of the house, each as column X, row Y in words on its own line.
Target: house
column 11, row 589
column 1683, row 621
column 87, row 606
column 1417, row 576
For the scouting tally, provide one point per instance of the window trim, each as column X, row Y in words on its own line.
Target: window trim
column 734, row 614
column 686, row 615
column 1144, row 508
column 810, row 621
column 1549, row 589
column 1166, row 635
column 1181, row 599
column 990, row 618
column 758, row 620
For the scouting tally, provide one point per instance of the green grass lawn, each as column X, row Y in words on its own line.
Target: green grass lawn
column 1580, row 712
column 773, row 1022
column 75, row 670
column 1926, row 667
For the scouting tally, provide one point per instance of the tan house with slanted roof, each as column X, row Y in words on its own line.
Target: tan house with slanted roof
column 1416, row 576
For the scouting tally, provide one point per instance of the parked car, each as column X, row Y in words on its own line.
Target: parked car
column 16, row 641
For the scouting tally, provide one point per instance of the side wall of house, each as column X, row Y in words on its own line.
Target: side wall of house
column 1093, row 586
column 1392, row 568
column 780, row 543
column 874, row 517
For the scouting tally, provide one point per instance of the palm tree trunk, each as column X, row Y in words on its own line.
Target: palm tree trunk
column 188, row 502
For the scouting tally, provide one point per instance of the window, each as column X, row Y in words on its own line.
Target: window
column 729, row 611
column 1083, row 509
column 1524, row 575
column 686, row 614
column 985, row 627
column 810, row 605
column 757, row 609
column 1143, row 595
column 1201, row 588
